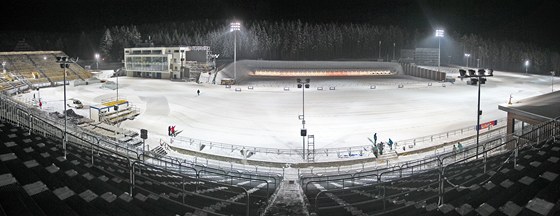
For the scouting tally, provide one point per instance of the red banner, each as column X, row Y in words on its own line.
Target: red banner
column 488, row 124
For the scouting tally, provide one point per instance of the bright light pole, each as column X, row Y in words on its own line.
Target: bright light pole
column 97, row 61
column 526, row 66
column 394, row 46
column 477, row 78
column 233, row 27
column 65, row 62
column 439, row 35
column 467, row 55
column 303, row 84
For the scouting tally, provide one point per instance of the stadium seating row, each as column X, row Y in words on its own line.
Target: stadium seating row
column 34, row 170
column 470, row 187
column 36, row 70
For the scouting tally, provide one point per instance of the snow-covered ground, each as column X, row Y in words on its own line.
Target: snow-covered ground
column 267, row 116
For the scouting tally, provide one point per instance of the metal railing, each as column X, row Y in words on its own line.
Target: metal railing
column 439, row 166
column 35, row 121
column 204, row 145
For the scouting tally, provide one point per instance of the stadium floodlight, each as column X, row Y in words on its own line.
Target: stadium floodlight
column 468, row 55
column 439, row 35
column 472, row 73
column 234, row 27
column 477, row 79
column 303, row 84
column 526, row 66
column 394, row 46
column 439, row 32
column 462, row 73
column 481, row 72
column 65, row 62
column 97, row 61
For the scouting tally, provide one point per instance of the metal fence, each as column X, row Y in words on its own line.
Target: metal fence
column 203, row 145
column 509, row 145
column 51, row 126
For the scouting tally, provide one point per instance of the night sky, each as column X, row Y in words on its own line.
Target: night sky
column 526, row 20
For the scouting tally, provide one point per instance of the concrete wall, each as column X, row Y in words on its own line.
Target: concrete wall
column 413, row 70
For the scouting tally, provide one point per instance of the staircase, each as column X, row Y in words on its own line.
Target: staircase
column 388, row 155
column 18, row 75
column 311, row 148
column 159, row 151
column 76, row 74
column 288, row 200
column 40, row 70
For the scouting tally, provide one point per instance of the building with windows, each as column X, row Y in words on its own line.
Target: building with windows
column 181, row 62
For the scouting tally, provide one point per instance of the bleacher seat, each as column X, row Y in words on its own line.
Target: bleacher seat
column 33, row 168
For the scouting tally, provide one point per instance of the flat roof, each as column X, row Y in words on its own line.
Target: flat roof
column 543, row 107
column 109, row 104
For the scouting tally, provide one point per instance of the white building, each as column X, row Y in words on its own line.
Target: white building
column 166, row 62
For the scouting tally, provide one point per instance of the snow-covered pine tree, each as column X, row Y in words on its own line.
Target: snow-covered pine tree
column 106, row 44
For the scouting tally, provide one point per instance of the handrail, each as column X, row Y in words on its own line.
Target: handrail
column 26, row 119
column 326, row 151
column 544, row 131
column 232, row 176
column 138, row 163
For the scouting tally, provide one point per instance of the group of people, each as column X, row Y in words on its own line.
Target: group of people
column 171, row 131
column 458, row 147
column 378, row 148
column 40, row 104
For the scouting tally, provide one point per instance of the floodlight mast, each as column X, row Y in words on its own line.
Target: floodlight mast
column 97, row 61
column 303, row 84
column 379, row 56
column 65, row 62
column 394, row 47
column 439, row 35
column 526, row 66
column 480, row 77
column 467, row 55
column 234, row 27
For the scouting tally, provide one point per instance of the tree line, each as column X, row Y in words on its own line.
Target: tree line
column 296, row 40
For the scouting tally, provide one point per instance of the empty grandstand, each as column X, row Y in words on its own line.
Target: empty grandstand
column 516, row 177
column 35, row 69
column 93, row 176
column 513, row 174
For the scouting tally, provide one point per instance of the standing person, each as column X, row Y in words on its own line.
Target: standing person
column 169, row 130
column 198, row 92
column 454, row 152
column 40, row 104
column 390, row 143
column 375, row 151
column 173, row 130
